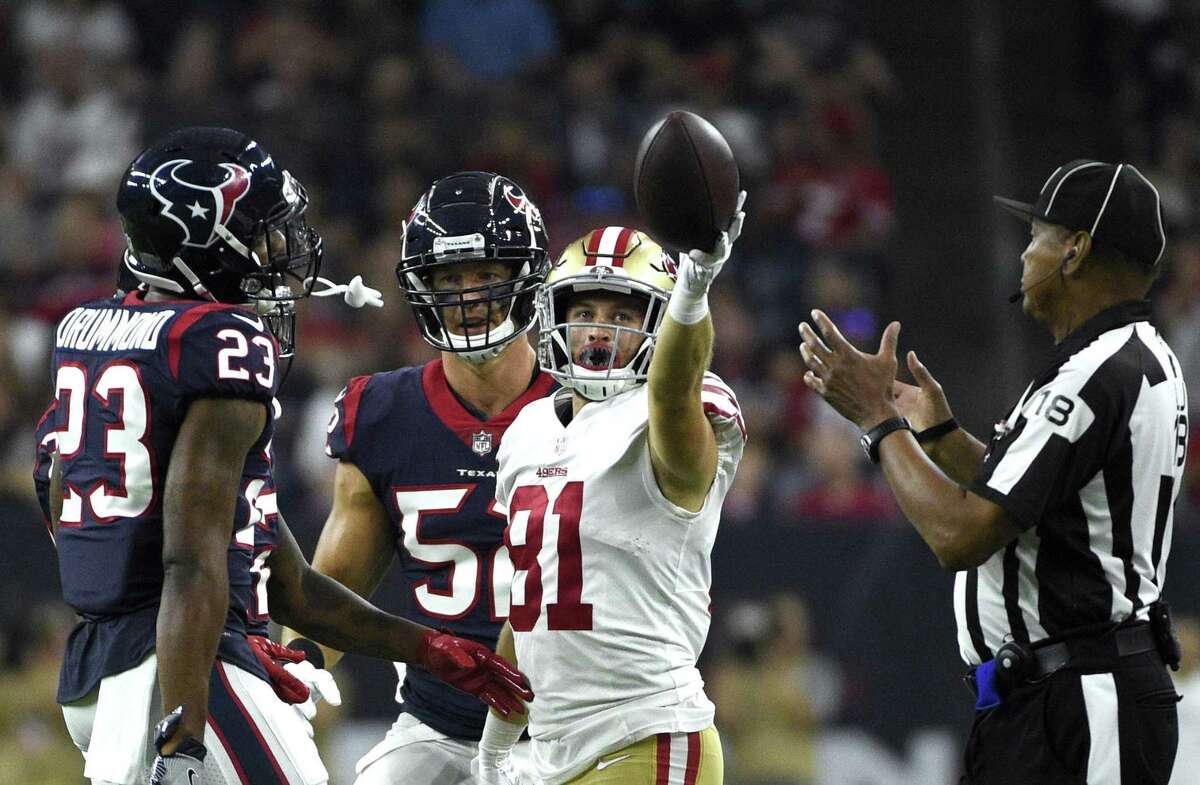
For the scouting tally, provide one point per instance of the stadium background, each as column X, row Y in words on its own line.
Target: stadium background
column 870, row 137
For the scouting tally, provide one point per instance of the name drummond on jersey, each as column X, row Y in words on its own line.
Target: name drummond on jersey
column 110, row 329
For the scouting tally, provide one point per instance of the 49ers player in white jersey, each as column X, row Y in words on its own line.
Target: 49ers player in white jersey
column 613, row 489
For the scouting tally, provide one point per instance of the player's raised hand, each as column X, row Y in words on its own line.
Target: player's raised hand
column 699, row 268
column 857, row 385
column 924, row 404
column 475, row 669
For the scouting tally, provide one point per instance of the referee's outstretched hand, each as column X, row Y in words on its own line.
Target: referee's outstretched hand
column 924, row 404
column 857, row 385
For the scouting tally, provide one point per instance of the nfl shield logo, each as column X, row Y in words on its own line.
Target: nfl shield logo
column 481, row 443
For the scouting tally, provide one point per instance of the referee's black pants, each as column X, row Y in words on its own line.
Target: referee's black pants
column 1113, row 728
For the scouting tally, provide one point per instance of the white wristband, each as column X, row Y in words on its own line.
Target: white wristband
column 686, row 306
column 497, row 741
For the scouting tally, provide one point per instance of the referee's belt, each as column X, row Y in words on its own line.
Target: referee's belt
column 1092, row 653
column 1020, row 663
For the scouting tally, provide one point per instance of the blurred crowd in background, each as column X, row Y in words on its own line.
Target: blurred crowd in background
column 368, row 102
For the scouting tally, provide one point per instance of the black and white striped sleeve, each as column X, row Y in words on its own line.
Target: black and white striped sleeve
column 1050, row 446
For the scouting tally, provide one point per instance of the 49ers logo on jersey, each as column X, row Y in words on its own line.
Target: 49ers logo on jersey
column 198, row 209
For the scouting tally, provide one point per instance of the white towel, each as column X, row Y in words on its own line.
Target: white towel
column 121, row 748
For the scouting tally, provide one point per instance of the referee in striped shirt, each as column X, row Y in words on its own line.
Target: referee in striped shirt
column 1060, row 526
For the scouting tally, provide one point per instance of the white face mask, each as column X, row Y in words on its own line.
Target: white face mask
column 498, row 338
column 555, row 356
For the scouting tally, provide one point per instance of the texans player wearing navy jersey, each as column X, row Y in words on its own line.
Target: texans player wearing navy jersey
column 154, row 471
column 417, row 450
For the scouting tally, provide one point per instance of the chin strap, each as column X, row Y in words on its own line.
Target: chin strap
column 356, row 293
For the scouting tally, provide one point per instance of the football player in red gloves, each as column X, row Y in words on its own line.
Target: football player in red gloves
column 416, row 450
column 327, row 612
column 155, row 476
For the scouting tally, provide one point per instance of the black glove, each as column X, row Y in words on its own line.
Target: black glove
column 184, row 766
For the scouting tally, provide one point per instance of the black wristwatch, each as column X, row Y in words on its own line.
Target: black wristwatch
column 165, row 729
column 871, row 439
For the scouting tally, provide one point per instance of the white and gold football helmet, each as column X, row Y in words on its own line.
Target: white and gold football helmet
column 616, row 259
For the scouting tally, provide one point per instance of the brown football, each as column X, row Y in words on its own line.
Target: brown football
column 685, row 181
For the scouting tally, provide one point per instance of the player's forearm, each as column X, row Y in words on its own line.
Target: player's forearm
column 329, row 655
column 500, row 733
column 191, row 616
column 682, row 445
column 958, row 454
column 681, row 356
column 333, row 616
column 355, row 545
column 199, row 503
column 506, row 647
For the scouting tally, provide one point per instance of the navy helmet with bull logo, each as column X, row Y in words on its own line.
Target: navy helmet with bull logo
column 209, row 214
column 473, row 217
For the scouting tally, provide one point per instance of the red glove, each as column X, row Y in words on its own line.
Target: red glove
column 476, row 669
column 269, row 654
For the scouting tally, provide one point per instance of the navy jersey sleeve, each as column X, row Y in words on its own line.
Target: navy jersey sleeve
column 46, row 444
column 1054, row 441
column 339, row 440
column 218, row 351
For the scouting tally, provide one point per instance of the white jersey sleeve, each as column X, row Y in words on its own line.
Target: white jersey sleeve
column 729, row 427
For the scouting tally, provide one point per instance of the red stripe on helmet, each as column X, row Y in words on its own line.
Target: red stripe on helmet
column 593, row 246
column 622, row 247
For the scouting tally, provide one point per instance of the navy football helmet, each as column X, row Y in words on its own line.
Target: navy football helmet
column 209, row 214
column 474, row 217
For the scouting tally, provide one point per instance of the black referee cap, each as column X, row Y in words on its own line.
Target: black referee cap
column 1114, row 203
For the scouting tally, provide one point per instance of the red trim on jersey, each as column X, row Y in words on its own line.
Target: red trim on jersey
column 46, row 416
column 713, row 408
column 180, row 326
column 138, row 297
column 354, row 391
column 463, row 423
column 250, row 721
column 693, row 759
column 662, row 774
column 237, row 764
column 721, row 389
